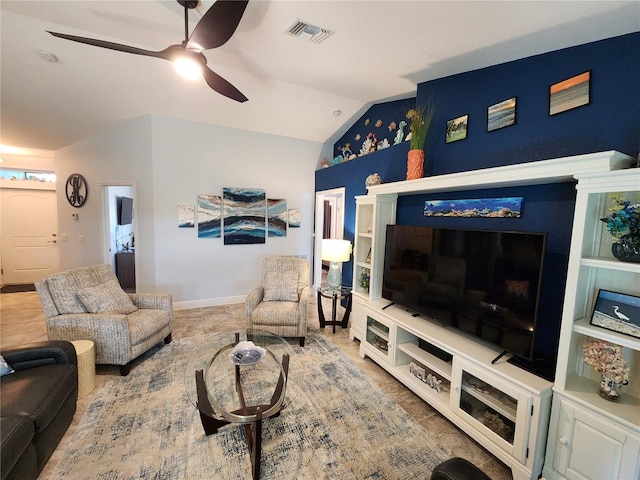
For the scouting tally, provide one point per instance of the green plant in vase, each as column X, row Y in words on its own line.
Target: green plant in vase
column 623, row 223
column 364, row 279
column 420, row 119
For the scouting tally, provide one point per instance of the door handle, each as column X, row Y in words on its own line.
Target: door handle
column 52, row 241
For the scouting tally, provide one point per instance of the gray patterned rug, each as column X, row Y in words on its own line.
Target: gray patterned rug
column 340, row 426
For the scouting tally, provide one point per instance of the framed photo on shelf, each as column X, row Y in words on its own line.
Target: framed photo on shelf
column 618, row 312
column 570, row 93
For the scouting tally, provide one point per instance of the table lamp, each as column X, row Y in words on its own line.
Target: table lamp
column 335, row 251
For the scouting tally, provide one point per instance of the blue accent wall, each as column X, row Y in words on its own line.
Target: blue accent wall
column 611, row 121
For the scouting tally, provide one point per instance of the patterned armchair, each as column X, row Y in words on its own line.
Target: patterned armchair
column 89, row 304
column 279, row 304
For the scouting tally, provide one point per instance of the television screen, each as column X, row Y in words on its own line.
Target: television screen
column 125, row 211
column 485, row 283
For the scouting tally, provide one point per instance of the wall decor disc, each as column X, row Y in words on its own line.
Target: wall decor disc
column 76, row 190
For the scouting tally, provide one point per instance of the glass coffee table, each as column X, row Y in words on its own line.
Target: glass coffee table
column 231, row 381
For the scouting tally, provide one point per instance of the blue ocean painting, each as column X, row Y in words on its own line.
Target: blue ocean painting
column 294, row 218
column 505, row 207
column 245, row 220
column 501, row 114
column 277, row 217
column 209, row 216
column 186, row 216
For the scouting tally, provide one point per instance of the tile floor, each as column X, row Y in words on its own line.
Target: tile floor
column 22, row 321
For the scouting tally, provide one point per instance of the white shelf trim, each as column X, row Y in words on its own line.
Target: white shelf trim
column 584, row 327
column 531, row 173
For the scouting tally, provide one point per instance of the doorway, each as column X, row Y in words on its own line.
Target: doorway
column 329, row 224
column 29, row 236
column 119, row 227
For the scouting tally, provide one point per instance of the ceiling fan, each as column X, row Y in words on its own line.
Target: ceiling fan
column 214, row 29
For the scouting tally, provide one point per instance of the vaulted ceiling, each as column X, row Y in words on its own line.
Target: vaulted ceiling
column 379, row 50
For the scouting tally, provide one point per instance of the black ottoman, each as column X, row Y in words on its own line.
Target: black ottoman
column 458, row 469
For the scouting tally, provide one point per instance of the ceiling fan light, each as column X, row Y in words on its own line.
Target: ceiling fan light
column 188, row 68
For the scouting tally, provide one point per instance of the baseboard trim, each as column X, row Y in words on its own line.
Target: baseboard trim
column 208, row 302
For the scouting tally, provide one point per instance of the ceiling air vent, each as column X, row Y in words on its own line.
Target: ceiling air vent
column 307, row 32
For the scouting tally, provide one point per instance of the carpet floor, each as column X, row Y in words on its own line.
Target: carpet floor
column 340, row 426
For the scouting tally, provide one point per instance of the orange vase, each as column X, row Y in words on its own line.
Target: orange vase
column 415, row 164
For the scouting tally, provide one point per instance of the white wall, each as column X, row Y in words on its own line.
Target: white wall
column 192, row 158
column 170, row 161
column 119, row 156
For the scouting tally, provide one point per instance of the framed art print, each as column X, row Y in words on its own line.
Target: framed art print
column 502, row 114
column 457, row 129
column 570, row 93
column 618, row 312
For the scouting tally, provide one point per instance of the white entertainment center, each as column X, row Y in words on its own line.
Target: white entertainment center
column 504, row 408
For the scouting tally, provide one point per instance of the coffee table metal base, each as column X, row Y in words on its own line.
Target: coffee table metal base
column 211, row 424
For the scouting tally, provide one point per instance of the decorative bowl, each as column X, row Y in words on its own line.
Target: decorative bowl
column 246, row 353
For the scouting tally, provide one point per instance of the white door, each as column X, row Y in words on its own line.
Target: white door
column 29, row 235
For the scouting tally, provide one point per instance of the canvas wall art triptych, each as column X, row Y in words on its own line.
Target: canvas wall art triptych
column 240, row 216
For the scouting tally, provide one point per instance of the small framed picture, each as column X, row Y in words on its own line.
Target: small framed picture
column 618, row 312
column 457, row 129
column 570, row 93
column 502, row 114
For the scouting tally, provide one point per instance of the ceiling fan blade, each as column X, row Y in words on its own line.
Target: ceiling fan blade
column 222, row 86
column 217, row 25
column 110, row 45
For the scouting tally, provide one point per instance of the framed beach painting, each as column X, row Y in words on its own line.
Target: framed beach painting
column 501, row 115
column 570, row 93
column 618, row 312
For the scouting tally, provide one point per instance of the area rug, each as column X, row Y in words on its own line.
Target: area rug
column 340, row 426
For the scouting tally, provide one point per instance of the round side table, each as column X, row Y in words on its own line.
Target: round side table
column 86, row 366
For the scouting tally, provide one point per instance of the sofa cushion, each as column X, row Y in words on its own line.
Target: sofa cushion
column 65, row 285
column 145, row 322
column 275, row 314
column 17, row 434
column 107, row 297
column 38, row 393
column 281, row 286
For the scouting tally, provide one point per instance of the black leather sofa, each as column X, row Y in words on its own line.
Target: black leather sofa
column 37, row 404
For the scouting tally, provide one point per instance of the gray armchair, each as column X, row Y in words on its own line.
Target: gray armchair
column 88, row 304
column 279, row 304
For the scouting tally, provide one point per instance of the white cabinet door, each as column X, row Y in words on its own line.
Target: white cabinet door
column 591, row 447
column 493, row 406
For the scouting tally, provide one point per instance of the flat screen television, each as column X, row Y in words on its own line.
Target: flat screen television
column 125, row 211
column 484, row 283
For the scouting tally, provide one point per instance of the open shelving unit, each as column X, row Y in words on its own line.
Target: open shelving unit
column 583, row 422
column 516, row 401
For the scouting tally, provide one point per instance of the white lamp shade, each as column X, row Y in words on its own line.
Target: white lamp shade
column 336, row 250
